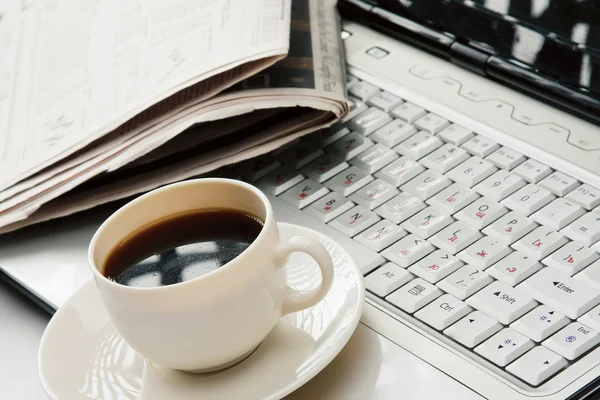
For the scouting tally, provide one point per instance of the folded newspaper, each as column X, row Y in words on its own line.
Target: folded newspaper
column 106, row 99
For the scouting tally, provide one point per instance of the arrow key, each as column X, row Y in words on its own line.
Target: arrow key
column 537, row 365
column 473, row 329
column 504, row 347
column 540, row 323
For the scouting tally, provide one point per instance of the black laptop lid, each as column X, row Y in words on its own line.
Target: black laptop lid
column 558, row 39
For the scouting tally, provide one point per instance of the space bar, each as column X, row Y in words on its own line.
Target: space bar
column 366, row 258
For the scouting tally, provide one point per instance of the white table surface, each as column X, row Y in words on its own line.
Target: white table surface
column 22, row 324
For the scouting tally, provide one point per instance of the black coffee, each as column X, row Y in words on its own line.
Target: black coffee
column 182, row 247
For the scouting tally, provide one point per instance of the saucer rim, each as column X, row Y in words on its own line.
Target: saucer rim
column 311, row 372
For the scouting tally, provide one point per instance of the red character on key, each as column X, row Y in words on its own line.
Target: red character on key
column 434, row 267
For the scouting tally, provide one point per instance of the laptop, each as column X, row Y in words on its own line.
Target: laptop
column 465, row 182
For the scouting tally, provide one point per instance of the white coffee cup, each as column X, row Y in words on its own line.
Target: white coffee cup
column 218, row 319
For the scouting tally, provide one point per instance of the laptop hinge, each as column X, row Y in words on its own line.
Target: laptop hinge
column 469, row 58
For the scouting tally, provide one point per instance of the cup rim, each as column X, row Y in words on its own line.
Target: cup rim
column 127, row 207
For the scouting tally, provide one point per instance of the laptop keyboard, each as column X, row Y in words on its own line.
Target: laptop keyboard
column 495, row 251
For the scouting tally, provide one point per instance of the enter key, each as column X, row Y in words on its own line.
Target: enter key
column 502, row 302
column 557, row 289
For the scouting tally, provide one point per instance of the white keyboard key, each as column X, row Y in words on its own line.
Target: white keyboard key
column 400, row 208
column 502, row 302
column 510, row 227
column 374, row 194
column 400, row 171
column 540, row 323
column 559, row 183
column 368, row 121
column 472, row 171
column 528, row 199
column 456, row 134
column 443, row 312
column 354, row 221
column 350, row 145
column 537, row 365
column 485, row 252
column 328, row 207
column 591, row 318
column 418, row 145
column 414, row 295
column 455, row 237
column 558, row 214
column 255, row 168
column 540, row 242
column 381, row 235
column 445, row 158
column 481, row 146
column 557, row 289
column 426, row 184
column 351, row 81
column 279, row 180
column 532, row 171
column 325, row 137
column 387, row 278
column 356, row 107
column 573, row 340
column 374, row 158
column 514, row 268
column 473, row 329
column 590, row 275
column 499, row 185
column 585, row 230
column 586, row 196
column 407, row 250
column 436, row 266
column 481, row 213
column 348, row 181
column 408, row 112
column 363, row 90
column 304, row 193
column 301, row 154
column 427, row 222
column 325, row 167
column 506, row 158
column 385, row 101
column 504, row 347
column 431, row 123
column 465, row 282
column 393, row 133
column 452, row 199
column 571, row 258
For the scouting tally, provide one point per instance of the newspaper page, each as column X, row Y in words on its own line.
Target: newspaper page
column 312, row 77
column 86, row 67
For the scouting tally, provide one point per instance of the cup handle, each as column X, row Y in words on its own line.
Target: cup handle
column 296, row 300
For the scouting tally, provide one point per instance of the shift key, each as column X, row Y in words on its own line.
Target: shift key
column 556, row 289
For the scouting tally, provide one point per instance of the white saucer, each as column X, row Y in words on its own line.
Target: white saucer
column 83, row 357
